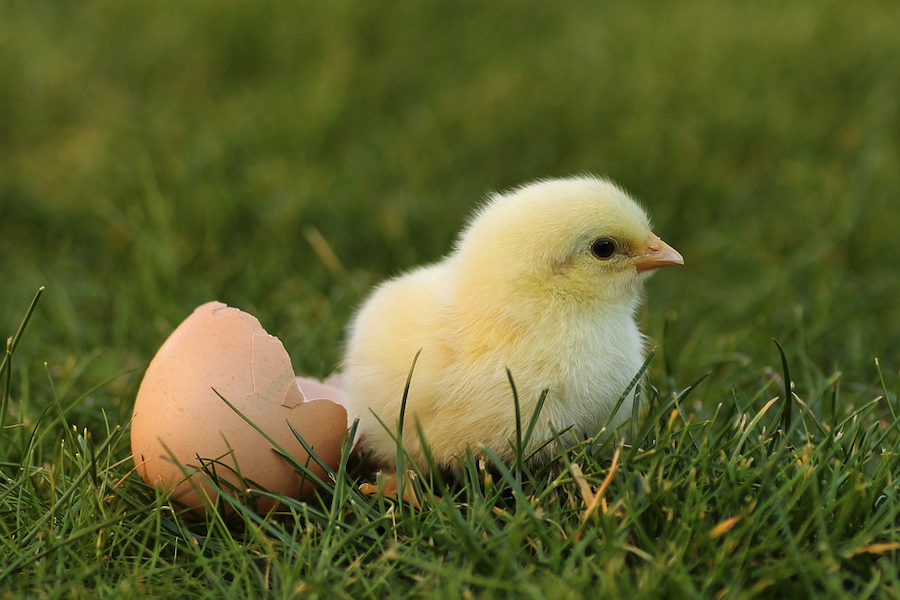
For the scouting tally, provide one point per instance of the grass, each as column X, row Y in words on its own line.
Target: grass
column 157, row 156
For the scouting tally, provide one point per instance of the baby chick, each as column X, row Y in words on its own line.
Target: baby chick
column 544, row 281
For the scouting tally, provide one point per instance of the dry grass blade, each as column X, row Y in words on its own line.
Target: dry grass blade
column 592, row 499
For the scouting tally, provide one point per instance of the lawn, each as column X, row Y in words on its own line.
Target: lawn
column 155, row 156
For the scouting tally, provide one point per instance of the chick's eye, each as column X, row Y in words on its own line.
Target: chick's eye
column 603, row 248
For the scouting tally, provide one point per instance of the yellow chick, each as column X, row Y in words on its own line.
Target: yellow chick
column 544, row 281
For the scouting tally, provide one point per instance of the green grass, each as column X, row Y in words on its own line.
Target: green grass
column 156, row 156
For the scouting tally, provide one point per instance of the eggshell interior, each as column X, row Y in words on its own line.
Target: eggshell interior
column 182, row 432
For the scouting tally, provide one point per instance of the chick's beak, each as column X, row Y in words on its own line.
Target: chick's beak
column 657, row 254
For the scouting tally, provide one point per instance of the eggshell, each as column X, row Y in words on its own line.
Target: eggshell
column 180, row 423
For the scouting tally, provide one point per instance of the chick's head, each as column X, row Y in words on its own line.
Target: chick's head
column 579, row 240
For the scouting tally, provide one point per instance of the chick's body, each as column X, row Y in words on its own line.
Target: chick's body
column 544, row 282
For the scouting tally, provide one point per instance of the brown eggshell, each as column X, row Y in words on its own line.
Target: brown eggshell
column 181, row 423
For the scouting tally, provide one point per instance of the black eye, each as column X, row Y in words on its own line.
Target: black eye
column 603, row 248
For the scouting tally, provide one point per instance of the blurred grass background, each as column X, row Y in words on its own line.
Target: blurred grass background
column 154, row 156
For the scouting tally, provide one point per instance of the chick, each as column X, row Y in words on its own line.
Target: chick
column 544, row 281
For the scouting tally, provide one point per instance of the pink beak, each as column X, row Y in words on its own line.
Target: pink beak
column 657, row 254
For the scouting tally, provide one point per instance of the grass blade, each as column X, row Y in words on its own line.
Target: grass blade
column 6, row 365
column 786, row 413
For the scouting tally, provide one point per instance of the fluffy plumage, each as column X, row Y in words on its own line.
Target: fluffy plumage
column 544, row 281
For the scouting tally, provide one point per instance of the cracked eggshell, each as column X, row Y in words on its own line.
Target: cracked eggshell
column 180, row 423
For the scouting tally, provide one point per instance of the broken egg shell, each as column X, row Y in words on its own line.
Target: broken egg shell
column 181, row 423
